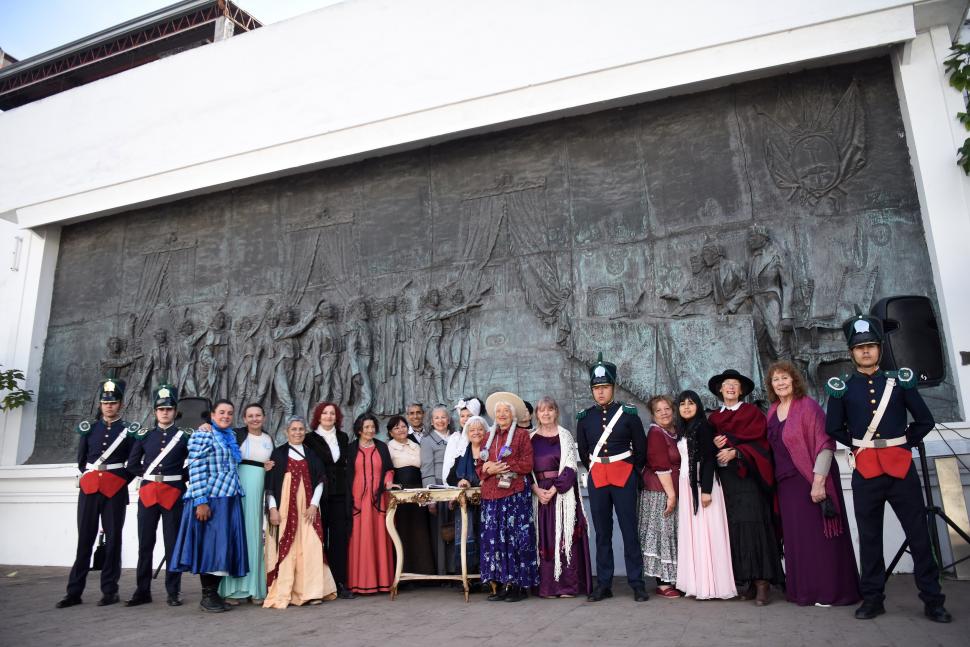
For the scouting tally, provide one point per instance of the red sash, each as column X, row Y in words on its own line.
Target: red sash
column 610, row 473
column 873, row 462
column 163, row 494
column 106, row 483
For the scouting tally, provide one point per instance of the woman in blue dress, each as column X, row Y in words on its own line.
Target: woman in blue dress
column 212, row 535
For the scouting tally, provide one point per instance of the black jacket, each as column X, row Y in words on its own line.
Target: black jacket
column 280, row 458
column 336, row 471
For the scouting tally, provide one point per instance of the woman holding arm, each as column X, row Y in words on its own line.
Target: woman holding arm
column 297, row 573
column 747, row 475
column 819, row 561
column 212, row 535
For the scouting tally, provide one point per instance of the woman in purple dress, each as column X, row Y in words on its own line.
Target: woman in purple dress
column 819, row 561
column 564, row 566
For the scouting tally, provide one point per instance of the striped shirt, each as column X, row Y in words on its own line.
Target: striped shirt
column 212, row 469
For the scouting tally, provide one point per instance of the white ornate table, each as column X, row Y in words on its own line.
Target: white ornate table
column 421, row 496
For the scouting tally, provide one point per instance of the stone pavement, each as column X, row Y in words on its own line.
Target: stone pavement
column 437, row 616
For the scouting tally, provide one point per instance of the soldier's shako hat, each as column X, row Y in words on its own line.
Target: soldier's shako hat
column 112, row 390
column 602, row 372
column 862, row 329
column 165, row 395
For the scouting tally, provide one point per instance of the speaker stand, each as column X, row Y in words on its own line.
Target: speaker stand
column 933, row 512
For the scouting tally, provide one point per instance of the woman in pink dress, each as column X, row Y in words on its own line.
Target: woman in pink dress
column 369, row 474
column 704, row 551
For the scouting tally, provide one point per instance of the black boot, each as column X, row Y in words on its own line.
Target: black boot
column 937, row 613
column 600, row 593
column 211, row 601
column 516, row 593
column 869, row 609
column 68, row 601
column 501, row 592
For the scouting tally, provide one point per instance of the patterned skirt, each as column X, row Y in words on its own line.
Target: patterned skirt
column 658, row 536
column 508, row 541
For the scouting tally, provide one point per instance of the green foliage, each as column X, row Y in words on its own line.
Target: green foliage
column 957, row 66
column 16, row 396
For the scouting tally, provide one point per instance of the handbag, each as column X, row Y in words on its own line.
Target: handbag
column 828, row 510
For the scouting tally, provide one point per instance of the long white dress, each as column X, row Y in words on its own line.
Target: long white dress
column 704, row 545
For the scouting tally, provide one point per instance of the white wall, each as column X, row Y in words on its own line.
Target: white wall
column 26, row 284
column 369, row 75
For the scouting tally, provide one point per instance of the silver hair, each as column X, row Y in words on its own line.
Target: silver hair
column 515, row 415
column 291, row 419
column 442, row 407
column 476, row 420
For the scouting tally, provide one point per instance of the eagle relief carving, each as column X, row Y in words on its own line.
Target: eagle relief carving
column 813, row 148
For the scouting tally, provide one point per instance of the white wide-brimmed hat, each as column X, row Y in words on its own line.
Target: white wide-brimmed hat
column 518, row 405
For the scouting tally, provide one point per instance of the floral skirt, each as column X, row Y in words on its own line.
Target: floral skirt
column 508, row 541
column 658, row 536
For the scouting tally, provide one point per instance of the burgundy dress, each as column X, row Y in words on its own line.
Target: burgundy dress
column 576, row 575
column 817, row 568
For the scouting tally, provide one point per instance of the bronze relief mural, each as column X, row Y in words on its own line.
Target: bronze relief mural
column 680, row 237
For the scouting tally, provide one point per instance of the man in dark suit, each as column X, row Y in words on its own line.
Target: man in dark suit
column 883, row 464
column 101, row 455
column 614, row 465
column 158, row 456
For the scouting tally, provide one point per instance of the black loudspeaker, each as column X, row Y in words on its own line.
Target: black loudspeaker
column 193, row 412
column 912, row 337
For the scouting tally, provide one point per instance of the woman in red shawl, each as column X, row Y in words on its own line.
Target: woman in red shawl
column 748, row 478
column 820, row 565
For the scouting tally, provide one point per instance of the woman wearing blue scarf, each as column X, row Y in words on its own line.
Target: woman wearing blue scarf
column 212, row 536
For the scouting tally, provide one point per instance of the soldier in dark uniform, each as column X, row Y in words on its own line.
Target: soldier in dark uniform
column 884, row 470
column 101, row 454
column 162, row 449
column 614, row 480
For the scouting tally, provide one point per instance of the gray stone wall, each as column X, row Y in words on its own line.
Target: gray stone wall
column 680, row 237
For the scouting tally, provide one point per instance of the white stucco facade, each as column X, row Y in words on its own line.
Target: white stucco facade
column 367, row 77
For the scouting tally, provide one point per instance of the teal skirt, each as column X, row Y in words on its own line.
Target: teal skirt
column 254, row 584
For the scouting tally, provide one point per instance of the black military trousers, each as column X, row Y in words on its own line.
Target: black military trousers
column 148, row 519
column 338, row 527
column 602, row 502
column 906, row 498
column 111, row 512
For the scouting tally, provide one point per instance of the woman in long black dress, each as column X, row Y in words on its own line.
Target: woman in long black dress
column 747, row 474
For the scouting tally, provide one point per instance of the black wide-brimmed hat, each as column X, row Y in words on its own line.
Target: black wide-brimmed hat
column 714, row 384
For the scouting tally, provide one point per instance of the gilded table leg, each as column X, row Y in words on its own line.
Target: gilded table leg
column 398, row 547
column 464, row 544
